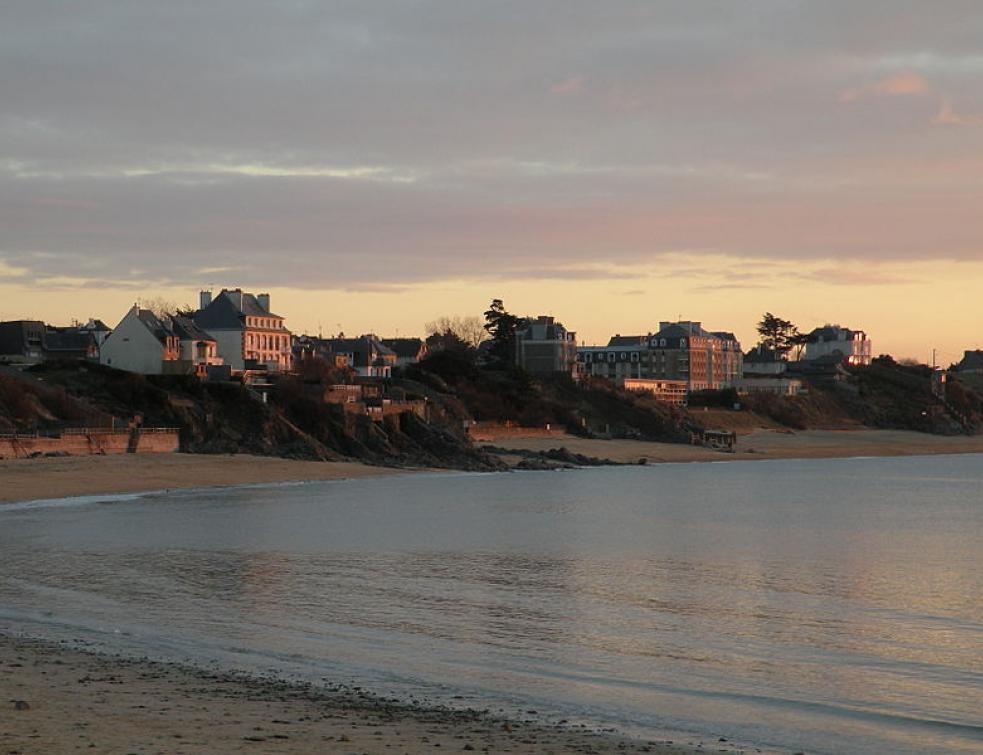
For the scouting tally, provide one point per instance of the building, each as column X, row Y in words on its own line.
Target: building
column 852, row 345
column 142, row 343
column 22, row 341
column 312, row 347
column 681, row 351
column 778, row 386
column 70, row 343
column 248, row 334
column 407, row 350
column 367, row 354
column 764, row 362
column 544, row 347
column 198, row 349
column 99, row 330
column 972, row 363
column 624, row 357
column 669, row 391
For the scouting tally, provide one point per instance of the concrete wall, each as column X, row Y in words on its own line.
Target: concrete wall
column 89, row 444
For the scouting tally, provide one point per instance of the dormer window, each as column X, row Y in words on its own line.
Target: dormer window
column 682, row 343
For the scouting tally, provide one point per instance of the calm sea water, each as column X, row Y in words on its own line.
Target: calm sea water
column 823, row 606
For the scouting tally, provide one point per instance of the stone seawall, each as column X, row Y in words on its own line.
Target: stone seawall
column 89, row 443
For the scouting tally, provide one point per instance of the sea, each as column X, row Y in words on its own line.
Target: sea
column 814, row 606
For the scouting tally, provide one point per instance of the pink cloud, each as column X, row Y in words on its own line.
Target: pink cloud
column 899, row 85
column 949, row 117
column 570, row 85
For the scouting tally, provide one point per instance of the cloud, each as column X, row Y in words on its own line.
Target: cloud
column 345, row 144
column 899, row 85
column 570, row 85
column 949, row 117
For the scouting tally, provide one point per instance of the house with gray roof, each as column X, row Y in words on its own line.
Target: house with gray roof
column 142, row 343
column 762, row 361
column 544, row 347
column 22, row 341
column 407, row 350
column 199, row 349
column 367, row 354
column 249, row 335
column 852, row 346
column 972, row 363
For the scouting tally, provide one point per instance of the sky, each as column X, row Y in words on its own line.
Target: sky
column 377, row 165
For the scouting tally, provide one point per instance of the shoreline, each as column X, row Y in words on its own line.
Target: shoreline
column 56, row 697
column 81, row 476
column 758, row 445
column 24, row 480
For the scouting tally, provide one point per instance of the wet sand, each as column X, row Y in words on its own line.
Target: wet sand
column 55, row 699
column 30, row 479
column 761, row 444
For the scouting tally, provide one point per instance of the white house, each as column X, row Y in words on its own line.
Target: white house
column 852, row 345
column 141, row 343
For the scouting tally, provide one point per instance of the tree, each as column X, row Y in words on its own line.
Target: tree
column 164, row 308
column 777, row 334
column 447, row 340
column 501, row 326
column 469, row 330
column 798, row 342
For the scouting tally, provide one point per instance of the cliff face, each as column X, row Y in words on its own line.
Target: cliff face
column 227, row 418
column 591, row 408
column 885, row 395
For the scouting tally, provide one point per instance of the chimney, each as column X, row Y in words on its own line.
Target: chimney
column 264, row 301
column 204, row 299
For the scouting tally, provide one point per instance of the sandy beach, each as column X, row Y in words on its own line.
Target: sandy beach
column 55, row 699
column 762, row 444
column 29, row 479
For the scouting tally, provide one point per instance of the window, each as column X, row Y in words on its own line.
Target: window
column 624, row 356
column 634, row 356
column 682, row 343
column 662, row 342
column 611, row 356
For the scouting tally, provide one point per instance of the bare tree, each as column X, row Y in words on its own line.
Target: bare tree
column 470, row 329
column 163, row 308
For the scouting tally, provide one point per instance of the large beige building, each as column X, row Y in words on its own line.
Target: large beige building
column 248, row 334
column 680, row 351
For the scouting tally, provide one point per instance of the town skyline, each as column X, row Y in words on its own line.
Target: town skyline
column 615, row 166
column 360, row 312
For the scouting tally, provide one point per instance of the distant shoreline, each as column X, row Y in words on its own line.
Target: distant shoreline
column 77, row 476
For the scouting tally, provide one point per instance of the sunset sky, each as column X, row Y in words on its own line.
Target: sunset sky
column 375, row 165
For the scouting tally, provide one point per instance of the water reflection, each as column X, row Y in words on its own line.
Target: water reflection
column 700, row 597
